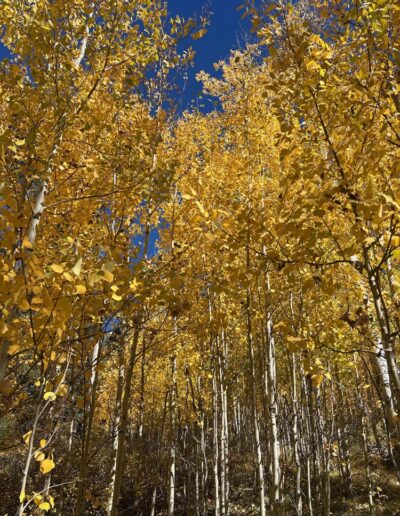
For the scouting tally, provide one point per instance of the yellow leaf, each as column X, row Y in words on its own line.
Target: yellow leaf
column 51, row 501
column 76, row 269
column 108, row 276
column 38, row 499
column 39, row 455
column 62, row 390
column 68, row 277
column 49, row 396
column 3, row 325
column 389, row 200
column 317, row 379
column 22, row 496
column 45, row 506
column 62, row 358
column 27, row 243
column 13, row 349
column 109, row 266
column 19, row 142
column 46, row 466
column 59, row 269
column 37, row 301
column 27, row 437
column 134, row 285
column 199, row 34
column 80, row 289
column 42, row 443
column 114, row 288
column 201, row 209
column 24, row 305
column 116, row 297
column 209, row 236
column 94, row 278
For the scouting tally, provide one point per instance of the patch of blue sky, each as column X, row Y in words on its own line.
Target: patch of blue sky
column 226, row 31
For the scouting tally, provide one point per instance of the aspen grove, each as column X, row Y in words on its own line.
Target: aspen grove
column 199, row 309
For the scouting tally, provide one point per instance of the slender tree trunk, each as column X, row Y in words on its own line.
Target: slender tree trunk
column 81, row 493
column 309, row 490
column 384, row 326
column 30, row 452
column 326, row 428
column 315, row 455
column 117, row 421
column 256, row 430
column 296, row 440
column 364, row 434
column 295, row 428
column 158, row 457
column 172, row 467
column 344, row 445
column 203, row 451
column 60, row 505
column 122, row 430
column 275, row 495
column 217, row 499
column 142, row 388
column 224, row 427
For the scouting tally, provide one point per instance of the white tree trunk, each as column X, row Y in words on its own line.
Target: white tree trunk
column 171, row 496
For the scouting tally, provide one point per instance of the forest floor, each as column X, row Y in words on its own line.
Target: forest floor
column 386, row 498
column 386, row 489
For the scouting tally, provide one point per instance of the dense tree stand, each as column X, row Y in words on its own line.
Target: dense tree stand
column 199, row 310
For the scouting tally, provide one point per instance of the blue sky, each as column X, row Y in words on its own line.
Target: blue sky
column 224, row 33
